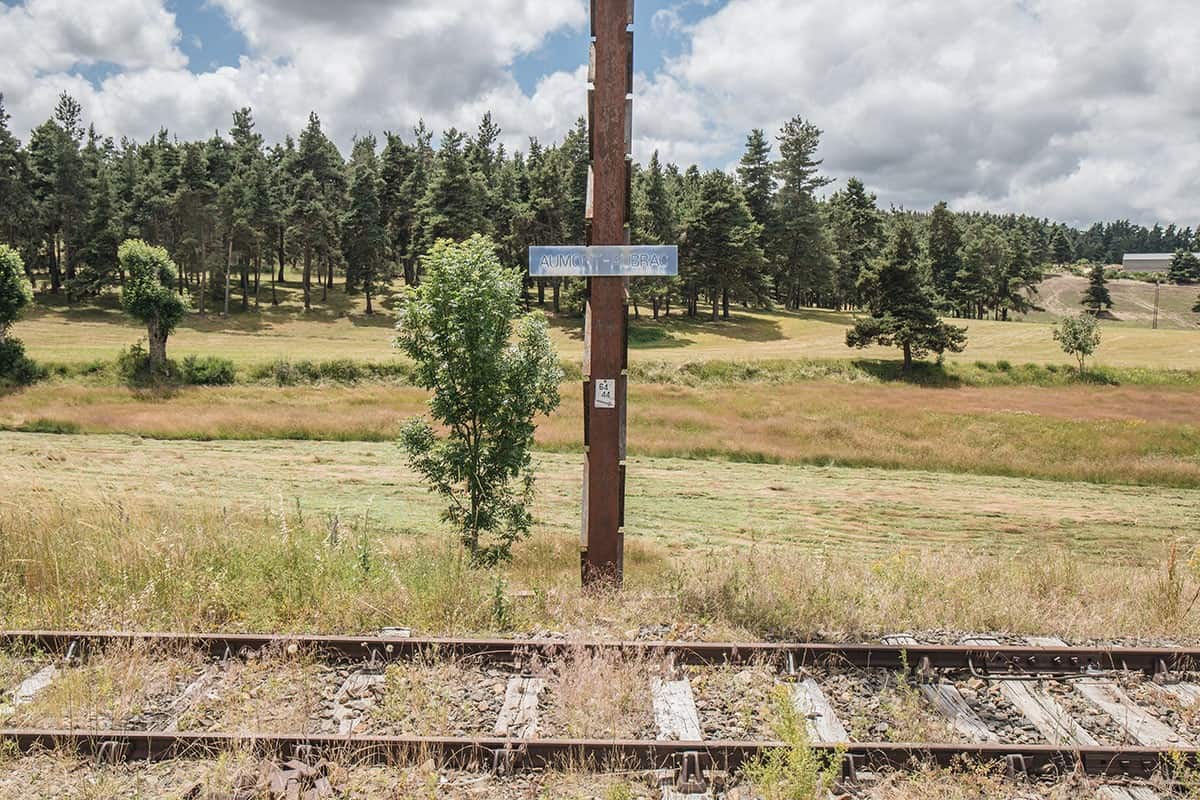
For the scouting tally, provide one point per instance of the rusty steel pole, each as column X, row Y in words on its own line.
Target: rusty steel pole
column 604, row 353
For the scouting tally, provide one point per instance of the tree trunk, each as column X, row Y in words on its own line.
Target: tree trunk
column 725, row 304
column 228, row 269
column 282, row 254
column 367, row 291
column 654, row 303
column 716, row 298
column 203, row 268
column 557, row 292
column 157, row 340
column 541, row 292
column 907, row 357
column 326, row 280
column 245, row 281
column 55, row 268
column 307, row 278
column 257, row 275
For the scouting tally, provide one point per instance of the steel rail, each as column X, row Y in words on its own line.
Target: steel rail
column 992, row 659
column 517, row 754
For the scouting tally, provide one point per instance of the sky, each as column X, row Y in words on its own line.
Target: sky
column 1072, row 109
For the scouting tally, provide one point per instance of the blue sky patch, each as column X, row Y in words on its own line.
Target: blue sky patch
column 209, row 39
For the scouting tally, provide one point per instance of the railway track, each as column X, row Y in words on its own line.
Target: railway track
column 693, row 711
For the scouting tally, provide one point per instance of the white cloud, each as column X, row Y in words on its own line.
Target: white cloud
column 366, row 66
column 1065, row 108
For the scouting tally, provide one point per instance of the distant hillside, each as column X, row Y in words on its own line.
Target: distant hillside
column 1133, row 302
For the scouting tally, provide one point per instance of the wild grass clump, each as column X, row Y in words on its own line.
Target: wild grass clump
column 117, row 562
column 797, row 770
column 1052, row 592
column 602, row 695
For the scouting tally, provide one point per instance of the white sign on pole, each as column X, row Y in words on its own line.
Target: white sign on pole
column 606, row 393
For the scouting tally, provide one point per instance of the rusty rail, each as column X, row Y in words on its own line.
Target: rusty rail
column 514, row 754
column 994, row 659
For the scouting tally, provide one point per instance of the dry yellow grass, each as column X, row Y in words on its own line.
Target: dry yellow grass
column 236, row 565
column 1120, row 434
column 110, row 689
column 600, row 695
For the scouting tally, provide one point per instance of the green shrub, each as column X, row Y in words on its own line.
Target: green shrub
column 16, row 368
column 45, row 425
column 133, row 367
column 207, row 371
column 341, row 370
column 285, row 372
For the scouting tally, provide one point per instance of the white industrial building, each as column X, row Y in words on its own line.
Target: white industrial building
column 1148, row 262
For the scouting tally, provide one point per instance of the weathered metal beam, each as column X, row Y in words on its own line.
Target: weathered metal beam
column 590, row 753
column 602, row 542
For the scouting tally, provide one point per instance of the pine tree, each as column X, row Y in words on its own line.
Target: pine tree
column 901, row 309
column 364, row 240
column 1185, row 267
column 654, row 222
column 193, row 208
column 800, row 249
column 415, row 187
column 317, row 180
column 945, row 257
column 14, row 185
column 856, row 230
column 986, row 261
column 758, row 184
column 451, row 207
column 396, row 204
column 243, row 199
column 1017, row 284
column 101, row 236
column 1096, row 296
column 721, row 245
column 1060, row 247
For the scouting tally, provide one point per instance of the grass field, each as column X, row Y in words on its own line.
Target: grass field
column 339, row 536
column 681, row 504
column 339, row 330
column 1133, row 303
column 778, row 486
column 1123, row 435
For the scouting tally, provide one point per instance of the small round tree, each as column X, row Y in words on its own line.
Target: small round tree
column 487, row 384
column 15, row 291
column 15, row 294
column 148, row 295
column 1079, row 337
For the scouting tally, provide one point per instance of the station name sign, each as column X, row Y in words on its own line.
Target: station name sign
column 615, row 261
